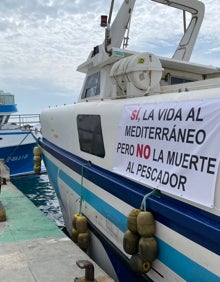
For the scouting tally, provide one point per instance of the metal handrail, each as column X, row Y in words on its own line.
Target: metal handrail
column 24, row 119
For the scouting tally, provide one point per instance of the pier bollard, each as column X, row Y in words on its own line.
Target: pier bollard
column 89, row 271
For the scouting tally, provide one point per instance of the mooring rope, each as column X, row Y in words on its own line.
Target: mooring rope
column 16, row 147
column 155, row 193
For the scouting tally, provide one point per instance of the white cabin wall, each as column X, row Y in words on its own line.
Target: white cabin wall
column 180, row 74
column 106, row 84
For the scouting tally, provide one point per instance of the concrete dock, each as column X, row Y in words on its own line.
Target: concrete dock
column 32, row 248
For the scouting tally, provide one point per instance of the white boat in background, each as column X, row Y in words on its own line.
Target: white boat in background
column 18, row 137
column 143, row 139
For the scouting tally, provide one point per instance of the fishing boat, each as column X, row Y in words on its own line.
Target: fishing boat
column 137, row 157
column 18, row 137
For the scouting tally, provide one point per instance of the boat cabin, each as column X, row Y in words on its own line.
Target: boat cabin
column 130, row 74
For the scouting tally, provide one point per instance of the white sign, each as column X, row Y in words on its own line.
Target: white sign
column 171, row 146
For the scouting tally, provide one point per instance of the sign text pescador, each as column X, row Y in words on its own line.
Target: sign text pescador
column 171, row 146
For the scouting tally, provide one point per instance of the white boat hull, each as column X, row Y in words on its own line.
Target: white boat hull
column 187, row 251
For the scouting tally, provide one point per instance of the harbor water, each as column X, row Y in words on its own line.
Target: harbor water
column 39, row 190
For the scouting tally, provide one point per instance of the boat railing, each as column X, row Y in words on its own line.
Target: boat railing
column 26, row 121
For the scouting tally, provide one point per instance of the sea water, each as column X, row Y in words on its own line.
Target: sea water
column 38, row 189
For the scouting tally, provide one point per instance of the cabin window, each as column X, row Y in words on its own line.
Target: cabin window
column 178, row 80
column 90, row 135
column 92, row 86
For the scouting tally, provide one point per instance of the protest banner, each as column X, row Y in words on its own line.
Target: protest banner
column 171, row 146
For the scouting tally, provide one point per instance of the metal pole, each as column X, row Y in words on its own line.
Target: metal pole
column 184, row 21
column 110, row 12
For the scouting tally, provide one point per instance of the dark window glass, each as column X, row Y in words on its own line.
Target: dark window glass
column 6, row 119
column 92, row 86
column 90, row 134
column 178, row 80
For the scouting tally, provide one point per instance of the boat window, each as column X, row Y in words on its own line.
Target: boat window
column 178, row 80
column 90, row 135
column 92, row 86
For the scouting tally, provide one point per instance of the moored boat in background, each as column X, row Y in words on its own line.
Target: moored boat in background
column 143, row 139
column 18, row 137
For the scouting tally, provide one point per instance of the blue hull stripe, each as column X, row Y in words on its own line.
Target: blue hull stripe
column 15, row 133
column 179, row 263
column 97, row 203
column 183, row 266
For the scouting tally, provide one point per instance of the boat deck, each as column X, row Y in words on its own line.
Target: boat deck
column 32, row 248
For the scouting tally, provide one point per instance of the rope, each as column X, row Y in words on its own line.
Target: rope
column 155, row 193
column 34, row 136
column 81, row 186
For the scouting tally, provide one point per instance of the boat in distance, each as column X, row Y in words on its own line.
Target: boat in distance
column 136, row 160
column 18, row 137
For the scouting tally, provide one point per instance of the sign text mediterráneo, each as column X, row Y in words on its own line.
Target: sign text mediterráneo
column 171, row 146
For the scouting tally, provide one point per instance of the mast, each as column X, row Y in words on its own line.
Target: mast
column 116, row 33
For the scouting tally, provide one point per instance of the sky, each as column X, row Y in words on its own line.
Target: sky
column 43, row 41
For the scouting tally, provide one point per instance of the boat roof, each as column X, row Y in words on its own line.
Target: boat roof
column 188, row 66
column 167, row 63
